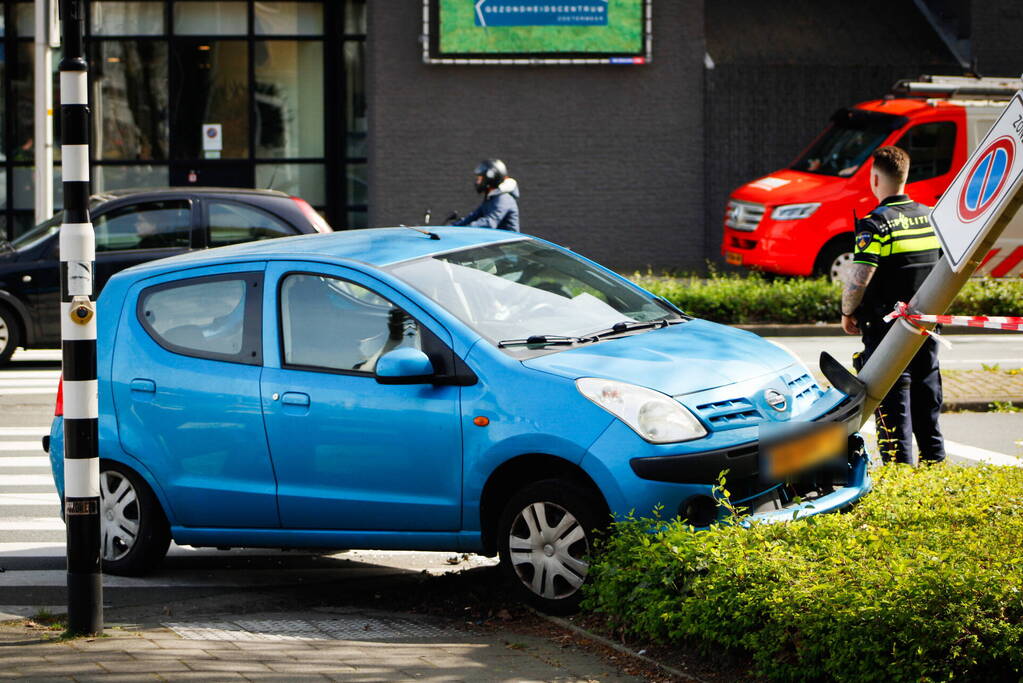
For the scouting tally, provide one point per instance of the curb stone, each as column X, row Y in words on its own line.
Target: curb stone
column 617, row 647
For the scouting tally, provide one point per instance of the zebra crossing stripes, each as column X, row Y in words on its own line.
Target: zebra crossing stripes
column 30, row 521
column 29, row 383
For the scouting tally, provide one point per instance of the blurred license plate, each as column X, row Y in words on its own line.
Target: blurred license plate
column 733, row 258
column 804, row 451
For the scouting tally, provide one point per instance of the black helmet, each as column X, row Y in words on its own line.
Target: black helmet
column 491, row 172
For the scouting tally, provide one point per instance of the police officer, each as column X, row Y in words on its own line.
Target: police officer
column 895, row 250
column 500, row 207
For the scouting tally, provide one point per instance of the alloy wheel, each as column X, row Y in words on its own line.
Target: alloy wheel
column 5, row 334
column 547, row 545
column 119, row 515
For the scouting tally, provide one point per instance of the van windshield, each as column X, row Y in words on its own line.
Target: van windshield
column 848, row 142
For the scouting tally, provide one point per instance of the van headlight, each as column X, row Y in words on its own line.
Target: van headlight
column 654, row 416
column 792, row 212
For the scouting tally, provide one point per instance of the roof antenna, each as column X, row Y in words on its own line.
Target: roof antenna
column 431, row 235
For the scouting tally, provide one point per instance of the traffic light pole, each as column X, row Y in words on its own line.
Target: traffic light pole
column 78, row 336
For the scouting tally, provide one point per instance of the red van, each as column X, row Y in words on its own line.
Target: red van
column 799, row 220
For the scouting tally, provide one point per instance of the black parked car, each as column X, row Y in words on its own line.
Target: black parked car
column 132, row 227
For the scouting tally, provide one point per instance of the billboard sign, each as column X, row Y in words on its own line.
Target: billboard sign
column 536, row 31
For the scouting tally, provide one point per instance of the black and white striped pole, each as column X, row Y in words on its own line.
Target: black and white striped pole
column 78, row 335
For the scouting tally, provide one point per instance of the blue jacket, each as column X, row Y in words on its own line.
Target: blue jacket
column 499, row 210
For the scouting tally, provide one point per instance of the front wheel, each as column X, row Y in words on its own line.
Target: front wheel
column 133, row 528
column 546, row 535
column 835, row 259
column 10, row 334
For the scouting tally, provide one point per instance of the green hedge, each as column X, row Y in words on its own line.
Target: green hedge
column 752, row 298
column 921, row 581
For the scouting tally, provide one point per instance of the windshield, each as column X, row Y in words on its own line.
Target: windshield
column 523, row 289
column 844, row 146
column 38, row 233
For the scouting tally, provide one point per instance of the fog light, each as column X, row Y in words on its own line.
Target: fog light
column 698, row 510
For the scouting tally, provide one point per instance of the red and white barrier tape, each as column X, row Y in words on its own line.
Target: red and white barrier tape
column 903, row 311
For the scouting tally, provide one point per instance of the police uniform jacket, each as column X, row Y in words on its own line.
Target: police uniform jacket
column 898, row 239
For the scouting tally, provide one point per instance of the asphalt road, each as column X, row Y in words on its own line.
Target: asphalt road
column 32, row 565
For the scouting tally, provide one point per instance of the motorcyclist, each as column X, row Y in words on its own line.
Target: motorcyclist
column 500, row 207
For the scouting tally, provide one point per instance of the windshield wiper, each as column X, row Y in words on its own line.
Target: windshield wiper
column 632, row 325
column 6, row 246
column 545, row 340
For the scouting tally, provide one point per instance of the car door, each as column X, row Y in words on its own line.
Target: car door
column 185, row 379
column 932, row 150
column 39, row 284
column 350, row 453
column 137, row 233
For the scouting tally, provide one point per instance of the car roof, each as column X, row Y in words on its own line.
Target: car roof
column 110, row 195
column 374, row 246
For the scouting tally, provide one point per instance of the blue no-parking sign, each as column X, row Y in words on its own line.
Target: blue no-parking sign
column 978, row 195
column 540, row 12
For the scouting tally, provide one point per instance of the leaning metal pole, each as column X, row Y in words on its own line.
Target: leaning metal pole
column 78, row 336
column 933, row 298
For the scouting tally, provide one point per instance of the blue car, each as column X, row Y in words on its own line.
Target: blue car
column 462, row 390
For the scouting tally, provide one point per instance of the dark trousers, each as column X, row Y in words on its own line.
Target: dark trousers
column 912, row 406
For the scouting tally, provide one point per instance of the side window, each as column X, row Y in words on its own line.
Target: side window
column 334, row 324
column 233, row 223
column 216, row 317
column 153, row 225
column 930, row 147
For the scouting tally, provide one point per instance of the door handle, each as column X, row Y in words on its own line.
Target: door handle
column 146, row 385
column 295, row 398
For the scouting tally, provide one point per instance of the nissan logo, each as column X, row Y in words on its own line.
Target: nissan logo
column 775, row 400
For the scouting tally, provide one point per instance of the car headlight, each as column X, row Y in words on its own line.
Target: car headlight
column 792, row 212
column 654, row 416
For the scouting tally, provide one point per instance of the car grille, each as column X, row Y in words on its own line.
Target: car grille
column 736, row 412
column 804, row 390
column 743, row 215
column 740, row 412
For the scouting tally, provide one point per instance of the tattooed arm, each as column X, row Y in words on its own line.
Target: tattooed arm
column 858, row 277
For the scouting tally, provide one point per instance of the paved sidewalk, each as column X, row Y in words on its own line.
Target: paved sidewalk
column 353, row 645
column 975, row 389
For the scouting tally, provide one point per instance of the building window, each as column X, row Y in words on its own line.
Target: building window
column 289, row 102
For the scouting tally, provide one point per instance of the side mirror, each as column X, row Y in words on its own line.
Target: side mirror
column 404, row 365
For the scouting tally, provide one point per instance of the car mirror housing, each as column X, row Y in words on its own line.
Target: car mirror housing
column 404, row 365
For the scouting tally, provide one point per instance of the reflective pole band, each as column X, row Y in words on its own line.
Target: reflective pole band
column 74, row 163
column 77, row 238
column 74, row 87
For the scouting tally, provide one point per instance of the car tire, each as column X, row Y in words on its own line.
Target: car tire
column 10, row 334
column 545, row 535
column 835, row 258
column 134, row 531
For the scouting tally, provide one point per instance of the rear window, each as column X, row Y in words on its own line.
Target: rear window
column 214, row 317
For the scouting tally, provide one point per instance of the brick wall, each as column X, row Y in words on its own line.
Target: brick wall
column 609, row 159
column 996, row 31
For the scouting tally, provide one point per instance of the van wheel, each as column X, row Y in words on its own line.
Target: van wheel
column 134, row 531
column 835, row 259
column 545, row 537
column 10, row 334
